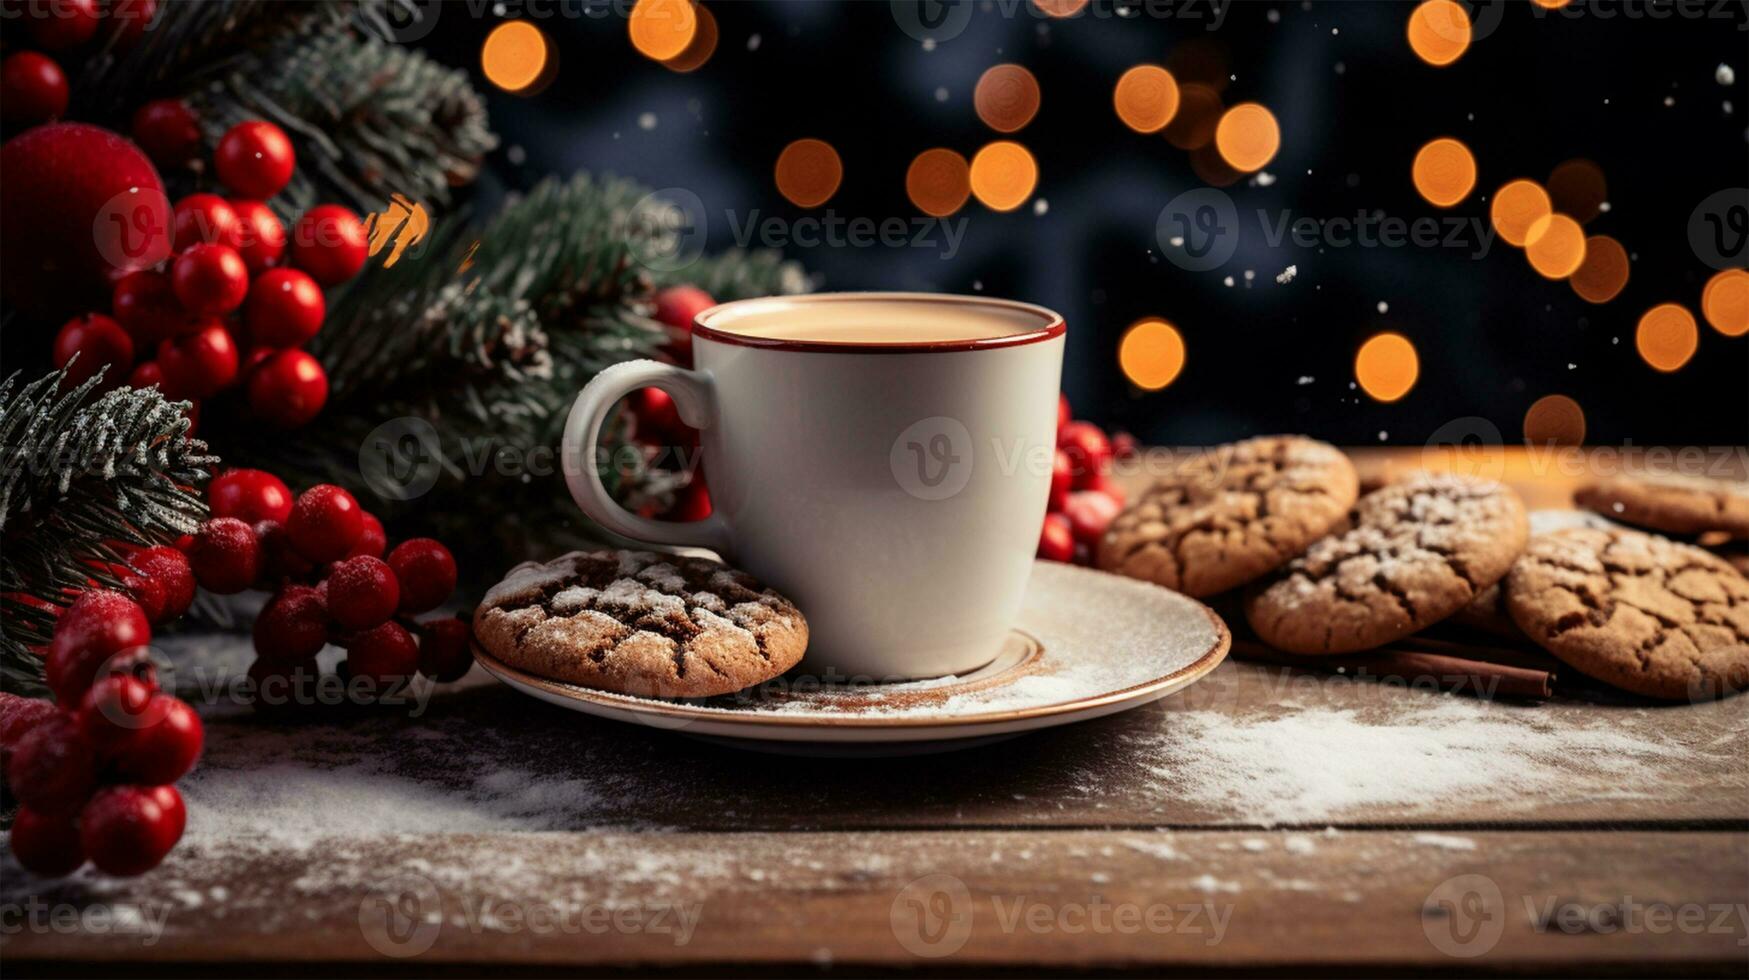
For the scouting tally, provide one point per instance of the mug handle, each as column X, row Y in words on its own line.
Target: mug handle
column 693, row 396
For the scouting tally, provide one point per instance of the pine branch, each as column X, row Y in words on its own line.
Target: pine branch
column 83, row 473
column 741, row 275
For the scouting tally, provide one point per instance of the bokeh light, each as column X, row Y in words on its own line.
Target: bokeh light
column 661, row 29
column 1387, row 366
column 1579, row 189
column 1603, row 273
column 514, row 56
column 938, row 182
column 1199, row 112
column 700, row 48
column 1515, row 207
column 1003, row 175
column 1444, row 171
column 1439, row 32
column 1151, row 354
column 1556, row 246
column 1554, row 420
column 808, row 172
column 1206, row 163
column 1725, row 302
column 1006, row 97
column 1551, row 4
column 1146, row 98
column 1247, row 136
column 1667, row 336
column 1059, row 8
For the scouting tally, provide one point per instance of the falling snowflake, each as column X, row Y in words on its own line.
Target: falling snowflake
column 1384, row 307
column 1287, row 275
column 1723, row 74
column 1041, row 207
column 647, row 121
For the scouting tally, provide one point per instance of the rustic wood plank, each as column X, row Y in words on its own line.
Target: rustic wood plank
column 1152, row 902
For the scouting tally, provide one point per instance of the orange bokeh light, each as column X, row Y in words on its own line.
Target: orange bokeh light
column 514, row 56
column 1146, row 98
column 662, row 29
column 1439, row 32
column 1059, row 8
column 938, row 182
column 1667, row 336
column 1515, row 207
column 1554, row 420
column 700, row 48
column 1004, row 175
column 1444, row 171
column 1579, row 189
column 1604, row 272
column 1555, row 246
column 1725, row 302
column 1386, row 366
column 1247, row 136
column 808, row 172
column 1199, row 112
column 1151, row 354
column 1551, row 4
column 1006, row 97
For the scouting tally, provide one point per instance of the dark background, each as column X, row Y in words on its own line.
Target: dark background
column 1493, row 336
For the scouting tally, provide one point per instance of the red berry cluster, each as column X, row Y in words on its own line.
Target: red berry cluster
column 238, row 297
column 657, row 420
column 33, row 86
column 322, row 557
column 93, row 772
column 1084, row 498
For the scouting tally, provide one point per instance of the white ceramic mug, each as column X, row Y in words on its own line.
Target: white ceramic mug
column 883, row 459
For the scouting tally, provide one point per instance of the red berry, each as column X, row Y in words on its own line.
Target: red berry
column 293, row 626
column 1089, row 511
column 255, row 159
column 426, row 571
column 113, row 709
column 210, row 279
column 279, row 560
column 145, row 375
column 693, row 503
column 164, row 748
column 132, row 18
column 206, row 218
column 146, row 305
column 325, row 523
column 1062, row 480
column 659, row 421
column 284, row 309
column 249, row 495
column 102, row 631
column 200, row 364
column 445, row 650
column 126, row 830
column 329, row 242
column 1056, row 542
column 385, row 653
column 225, row 555
column 288, row 389
column 676, row 307
column 173, row 578
column 362, row 592
column 53, row 769
column 1103, row 483
column 174, row 808
column 17, row 717
column 1063, row 416
column 99, row 341
column 263, row 237
column 167, row 130
column 33, row 89
column 372, row 541
column 62, row 24
column 46, row 846
column 1088, row 448
column 1125, row 446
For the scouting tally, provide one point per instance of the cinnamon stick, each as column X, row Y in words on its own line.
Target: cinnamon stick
column 1483, row 678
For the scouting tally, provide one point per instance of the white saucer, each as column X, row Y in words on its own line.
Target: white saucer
column 1088, row 644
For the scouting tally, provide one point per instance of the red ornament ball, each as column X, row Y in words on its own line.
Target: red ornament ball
column 210, row 279
column 1062, row 481
column 33, row 89
column 288, row 389
column 79, row 205
column 445, row 650
column 102, row 631
column 284, row 309
column 325, row 523
column 362, row 592
column 54, row 768
column 127, row 830
column 1088, row 448
column 293, row 626
column 101, row 345
column 170, row 582
column 249, row 495
column 658, row 418
column 372, row 541
column 384, row 653
column 145, row 304
column 167, row 130
column 200, row 364
column 329, row 242
column 162, row 749
column 61, row 25
column 693, row 503
column 225, row 555
column 1089, row 511
column 255, row 159
column 46, row 846
column 1056, row 542
column 426, row 571
column 205, row 218
column 1063, row 416
column 676, row 307
column 263, row 236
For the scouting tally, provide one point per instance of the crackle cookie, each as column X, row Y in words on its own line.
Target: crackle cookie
column 1487, row 611
column 1641, row 612
column 1232, row 514
column 641, row 623
column 1673, row 504
column 1418, row 551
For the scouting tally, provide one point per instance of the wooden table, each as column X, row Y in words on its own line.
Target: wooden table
column 1262, row 821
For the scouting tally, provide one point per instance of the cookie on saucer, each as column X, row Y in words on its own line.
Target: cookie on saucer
column 1419, row 551
column 1231, row 515
column 639, row 623
column 1641, row 612
column 1671, row 503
